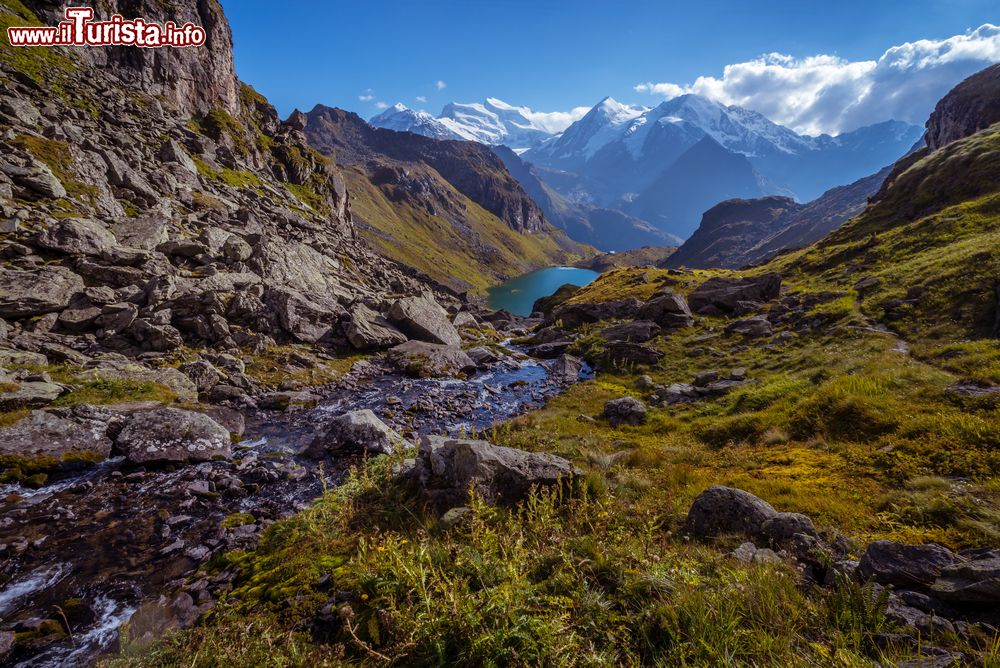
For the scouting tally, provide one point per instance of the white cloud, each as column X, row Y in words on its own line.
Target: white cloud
column 441, row 85
column 381, row 105
column 367, row 96
column 421, row 98
column 825, row 93
column 555, row 121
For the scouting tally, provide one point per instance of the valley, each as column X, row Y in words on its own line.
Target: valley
column 627, row 385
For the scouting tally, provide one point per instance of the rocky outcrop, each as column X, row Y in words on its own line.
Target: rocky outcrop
column 905, row 566
column 24, row 294
column 448, row 470
column 969, row 107
column 721, row 294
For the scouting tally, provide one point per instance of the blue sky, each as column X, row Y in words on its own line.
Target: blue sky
column 554, row 56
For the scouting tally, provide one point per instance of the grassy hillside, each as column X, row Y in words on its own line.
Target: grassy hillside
column 462, row 245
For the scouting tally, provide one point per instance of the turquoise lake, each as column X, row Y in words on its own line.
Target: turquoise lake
column 519, row 294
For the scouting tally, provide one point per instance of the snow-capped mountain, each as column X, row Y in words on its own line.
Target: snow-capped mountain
column 402, row 119
column 492, row 122
column 617, row 155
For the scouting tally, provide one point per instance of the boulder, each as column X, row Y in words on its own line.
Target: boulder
column 754, row 328
column 171, row 151
column 30, row 395
column 369, row 330
column 448, row 469
column 24, row 294
column 465, row 319
column 354, row 433
column 419, row 359
column 721, row 510
column 307, row 319
column 203, row 374
column 59, row 434
column 722, row 294
column 627, row 410
column 423, row 319
column 566, row 369
column 668, row 310
column 172, row 435
column 157, row 338
column 77, row 236
column 907, row 566
column 624, row 352
column 638, row 331
column 483, row 356
column 550, row 350
column 974, row 582
column 37, row 178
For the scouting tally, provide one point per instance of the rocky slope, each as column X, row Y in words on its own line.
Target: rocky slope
column 449, row 208
column 743, row 232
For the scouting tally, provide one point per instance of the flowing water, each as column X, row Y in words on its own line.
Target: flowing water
column 518, row 295
column 114, row 537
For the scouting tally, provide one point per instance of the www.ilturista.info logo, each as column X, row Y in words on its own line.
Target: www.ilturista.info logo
column 80, row 30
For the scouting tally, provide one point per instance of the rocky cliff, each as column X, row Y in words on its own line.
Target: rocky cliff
column 970, row 107
column 149, row 200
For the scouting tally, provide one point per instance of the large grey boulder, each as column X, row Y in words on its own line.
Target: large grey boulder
column 626, row 352
column 906, row 566
column 353, row 433
column 574, row 315
column 307, row 319
column 423, row 319
column 973, row 582
column 627, row 410
column 449, row 469
column 168, row 377
column 369, row 330
column 721, row 510
column 668, row 310
column 419, row 359
column 77, row 236
column 722, row 295
column 172, row 435
column 566, row 369
column 62, row 434
column 24, row 294
column 36, row 178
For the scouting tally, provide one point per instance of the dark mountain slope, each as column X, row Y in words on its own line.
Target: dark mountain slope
column 704, row 175
column 448, row 208
column 607, row 229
